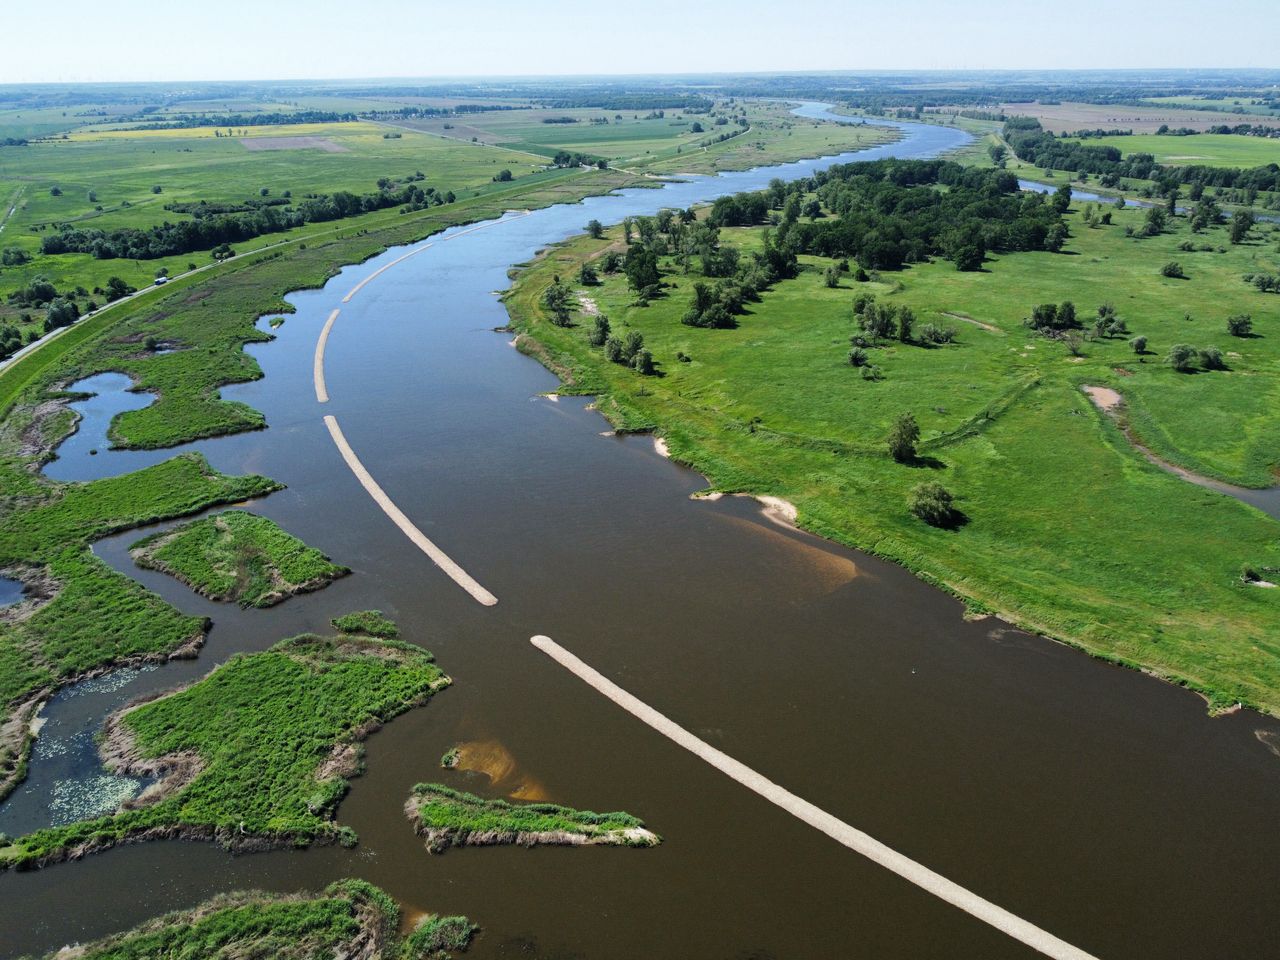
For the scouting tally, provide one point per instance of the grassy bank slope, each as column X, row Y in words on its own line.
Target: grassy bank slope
column 1071, row 532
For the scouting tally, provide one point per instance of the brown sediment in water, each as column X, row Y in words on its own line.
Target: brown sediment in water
column 496, row 762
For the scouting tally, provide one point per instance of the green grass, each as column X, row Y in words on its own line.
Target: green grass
column 347, row 917
column 451, row 818
column 96, row 617
column 1071, row 532
column 262, row 727
column 237, row 556
column 370, row 622
column 1203, row 149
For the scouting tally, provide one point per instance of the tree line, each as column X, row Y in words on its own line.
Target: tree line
column 205, row 232
column 1034, row 144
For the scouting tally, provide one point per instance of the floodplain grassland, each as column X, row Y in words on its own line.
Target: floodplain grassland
column 1202, row 149
column 237, row 556
column 446, row 818
column 257, row 754
column 1071, row 531
column 670, row 144
column 348, row 918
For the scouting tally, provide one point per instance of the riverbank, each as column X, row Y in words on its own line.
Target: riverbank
column 774, row 408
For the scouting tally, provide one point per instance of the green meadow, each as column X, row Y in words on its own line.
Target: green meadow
column 1070, row 531
column 1202, row 149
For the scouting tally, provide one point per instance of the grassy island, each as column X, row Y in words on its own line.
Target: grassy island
column 237, row 556
column 787, row 378
column 447, row 818
column 349, row 918
column 87, row 617
column 257, row 754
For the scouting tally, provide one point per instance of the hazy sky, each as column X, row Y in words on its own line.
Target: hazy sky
column 78, row 40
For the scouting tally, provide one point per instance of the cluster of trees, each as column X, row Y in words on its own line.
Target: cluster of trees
column 1034, row 144
column 1185, row 358
column 1054, row 320
column 566, row 159
column 14, row 257
column 1265, row 282
column 629, row 351
column 889, row 213
column 739, row 280
column 220, row 230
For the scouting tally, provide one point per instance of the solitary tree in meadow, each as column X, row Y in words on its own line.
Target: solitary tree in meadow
column 902, row 439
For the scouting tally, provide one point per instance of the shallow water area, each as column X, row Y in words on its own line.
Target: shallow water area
column 11, row 592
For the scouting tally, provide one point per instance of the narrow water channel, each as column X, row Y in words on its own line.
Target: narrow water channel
column 1096, row 802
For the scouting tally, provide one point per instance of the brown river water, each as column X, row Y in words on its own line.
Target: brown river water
column 1096, row 802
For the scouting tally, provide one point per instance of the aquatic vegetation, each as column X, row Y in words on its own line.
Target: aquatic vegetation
column 349, row 918
column 237, row 556
column 256, row 754
column 446, row 818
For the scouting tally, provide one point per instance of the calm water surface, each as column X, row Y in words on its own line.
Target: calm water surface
column 1098, row 803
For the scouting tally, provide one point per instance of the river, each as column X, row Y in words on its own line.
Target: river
column 1100, row 804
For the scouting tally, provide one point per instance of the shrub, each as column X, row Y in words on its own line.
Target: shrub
column 643, row 363
column 599, row 331
column 613, row 350
column 858, row 357
column 1139, row 345
column 932, row 333
column 1211, row 358
column 902, row 438
column 1173, row 270
column 934, row 504
column 1182, row 357
column 1240, row 325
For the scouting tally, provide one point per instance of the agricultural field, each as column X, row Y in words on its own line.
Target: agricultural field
column 1065, row 527
column 237, row 556
column 667, row 144
column 349, row 918
column 1241, row 107
column 129, row 179
column 1204, row 149
column 258, row 752
column 1070, row 117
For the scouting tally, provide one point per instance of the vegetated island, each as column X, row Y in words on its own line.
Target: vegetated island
column 449, row 818
column 237, row 556
column 350, row 918
column 876, row 345
column 256, row 754
column 370, row 622
column 86, row 617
